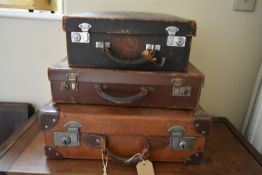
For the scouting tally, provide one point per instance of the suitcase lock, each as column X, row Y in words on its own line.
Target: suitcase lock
column 69, row 138
column 71, row 83
column 81, row 37
column 175, row 41
column 178, row 141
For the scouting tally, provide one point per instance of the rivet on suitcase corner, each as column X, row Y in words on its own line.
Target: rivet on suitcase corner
column 194, row 158
column 52, row 153
column 175, row 41
column 202, row 122
column 81, row 37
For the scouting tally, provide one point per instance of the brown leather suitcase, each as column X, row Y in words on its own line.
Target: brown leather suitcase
column 128, row 40
column 12, row 116
column 126, row 88
column 124, row 134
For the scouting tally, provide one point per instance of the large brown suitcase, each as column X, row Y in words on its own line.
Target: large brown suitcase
column 126, row 88
column 124, row 134
column 129, row 40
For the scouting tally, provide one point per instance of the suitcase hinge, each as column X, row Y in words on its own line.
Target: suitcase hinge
column 71, row 83
column 179, row 89
column 81, row 37
column 178, row 141
column 175, row 41
column 69, row 138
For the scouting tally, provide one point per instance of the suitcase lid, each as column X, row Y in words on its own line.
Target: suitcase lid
column 130, row 23
column 61, row 71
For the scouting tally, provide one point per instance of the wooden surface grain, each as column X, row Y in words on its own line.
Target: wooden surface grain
column 225, row 154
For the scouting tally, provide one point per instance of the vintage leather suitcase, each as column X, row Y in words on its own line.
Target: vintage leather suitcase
column 123, row 133
column 129, row 40
column 127, row 88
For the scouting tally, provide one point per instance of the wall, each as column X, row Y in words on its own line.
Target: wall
column 27, row 48
column 227, row 49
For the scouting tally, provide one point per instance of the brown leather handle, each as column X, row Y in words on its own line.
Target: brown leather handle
column 146, row 56
column 128, row 161
column 100, row 141
column 100, row 89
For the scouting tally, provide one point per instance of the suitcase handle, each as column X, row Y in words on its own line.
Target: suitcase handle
column 100, row 89
column 128, row 161
column 100, row 141
column 146, row 56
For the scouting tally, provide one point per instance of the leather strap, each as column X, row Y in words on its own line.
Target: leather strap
column 146, row 56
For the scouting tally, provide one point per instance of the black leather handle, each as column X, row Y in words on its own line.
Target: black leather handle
column 100, row 89
column 146, row 56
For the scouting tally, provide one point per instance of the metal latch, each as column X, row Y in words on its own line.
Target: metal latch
column 172, row 40
column 179, row 89
column 69, row 138
column 81, row 37
column 178, row 141
column 103, row 45
column 153, row 47
column 71, row 83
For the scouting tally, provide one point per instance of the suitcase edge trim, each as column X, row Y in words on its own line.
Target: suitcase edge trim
column 48, row 116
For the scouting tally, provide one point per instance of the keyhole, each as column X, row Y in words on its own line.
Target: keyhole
column 66, row 86
column 65, row 140
column 182, row 144
column 179, row 42
column 77, row 37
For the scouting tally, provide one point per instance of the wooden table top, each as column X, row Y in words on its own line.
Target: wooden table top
column 226, row 153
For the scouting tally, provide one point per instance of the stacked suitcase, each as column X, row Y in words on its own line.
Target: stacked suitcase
column 126, row 91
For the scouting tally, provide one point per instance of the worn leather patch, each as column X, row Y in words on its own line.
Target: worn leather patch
column 93, row 140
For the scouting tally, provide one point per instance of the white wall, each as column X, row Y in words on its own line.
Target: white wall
column 27, row 48
column 227, row 49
